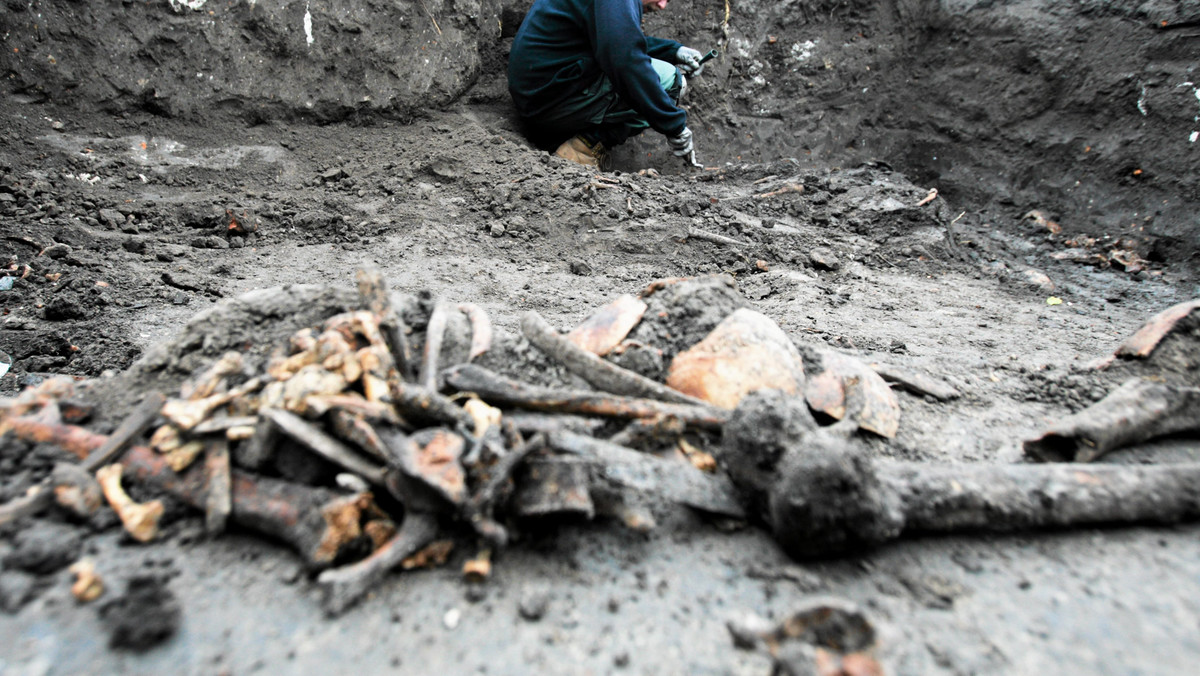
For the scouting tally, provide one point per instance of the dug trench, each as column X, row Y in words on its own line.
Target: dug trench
column 165, row 159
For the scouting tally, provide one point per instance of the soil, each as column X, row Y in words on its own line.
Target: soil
column 164, row 159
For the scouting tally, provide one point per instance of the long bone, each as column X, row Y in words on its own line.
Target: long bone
column 823, row 496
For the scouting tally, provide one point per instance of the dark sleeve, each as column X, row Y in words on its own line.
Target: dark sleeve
column 621, row 52
column 662, row 48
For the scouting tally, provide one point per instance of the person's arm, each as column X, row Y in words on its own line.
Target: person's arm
column 621, row 52
column 662, row 48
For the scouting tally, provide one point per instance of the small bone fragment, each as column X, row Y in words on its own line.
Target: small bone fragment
column 140, row 520
column 660, row 284
column 330, row 344
column 240, row 433
column 87, row 586
column 745, row 352
column 352, row 366
column 608, row 326
column 933, row 193
column 1139, row 410
column 308, row 381
column 222, row 424
column 479, row 568
column 283, row 368
column 425, row 403
column 342, row 587
column 355, row 429
column 166, row 439
column 482, row 414
column 917, row 383
column 375, row 363
column 600, row 373
column 206, row 384
column 186, row 414
column 431, row 555
column 76, row 489
column 787, row 188
column 324, row 445
column 353, row 403
column 373, row 290
column 181, row 458
column 481, row 329
column 498, row 389
column 218, row 479
column 434, row 333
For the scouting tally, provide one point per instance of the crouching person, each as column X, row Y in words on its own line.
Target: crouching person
column 583, row 75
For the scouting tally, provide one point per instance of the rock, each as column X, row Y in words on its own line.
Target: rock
column 133, row 245
column 56, row 251
column 44, row 548
column 824, row 259
column 533, row 604
column 497, row 229
column 1035, row 279
column 580, row 267
column 63, row 308
column 446, row 166
column 111, row 218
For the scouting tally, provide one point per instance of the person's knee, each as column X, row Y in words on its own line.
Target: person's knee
column 669, row 77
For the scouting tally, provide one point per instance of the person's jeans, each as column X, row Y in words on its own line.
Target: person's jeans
column 599, row 114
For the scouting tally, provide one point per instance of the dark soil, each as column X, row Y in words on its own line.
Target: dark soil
column 163, row 159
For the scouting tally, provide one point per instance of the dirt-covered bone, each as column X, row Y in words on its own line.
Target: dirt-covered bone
column 293, row 514
column 498, row 389
column 600, row 373
column 345, row 586
column 1138, row 410
column 829, row 497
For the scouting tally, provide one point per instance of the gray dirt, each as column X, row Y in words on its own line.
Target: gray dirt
column 1061, row 138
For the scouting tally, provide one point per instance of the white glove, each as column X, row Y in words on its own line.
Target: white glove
column 681, row 145
column 688, row 61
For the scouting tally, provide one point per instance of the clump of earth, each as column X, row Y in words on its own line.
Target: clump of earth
column 165, row 158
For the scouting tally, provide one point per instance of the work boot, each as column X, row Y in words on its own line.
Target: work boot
column 580, row 151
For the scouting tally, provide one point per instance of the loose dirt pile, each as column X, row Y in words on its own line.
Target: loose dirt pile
column 164, row 159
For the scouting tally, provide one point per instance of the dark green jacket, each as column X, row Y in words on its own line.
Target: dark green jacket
column 563, row 46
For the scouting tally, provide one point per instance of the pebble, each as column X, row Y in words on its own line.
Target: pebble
column 824, row 259
column 533, row 605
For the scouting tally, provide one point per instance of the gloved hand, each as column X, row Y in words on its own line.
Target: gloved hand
column 688, row 61
column 681, row 145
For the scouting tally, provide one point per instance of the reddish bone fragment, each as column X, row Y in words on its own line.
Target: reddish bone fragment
column 1143, row 342
column 481, row 329
column 605, row 329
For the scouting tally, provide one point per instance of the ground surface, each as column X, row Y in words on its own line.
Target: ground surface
column 122, row 216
